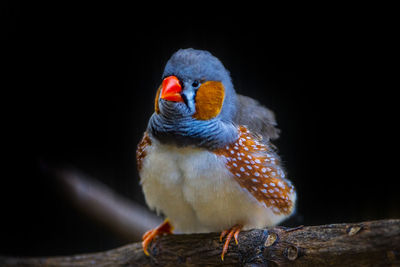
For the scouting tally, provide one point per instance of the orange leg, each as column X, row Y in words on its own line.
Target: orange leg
column 164, row 228
column 233, row 232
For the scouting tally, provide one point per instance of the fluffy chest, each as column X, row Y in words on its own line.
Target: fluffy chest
column 199, row 174
column 193, row 187
column 202, row 190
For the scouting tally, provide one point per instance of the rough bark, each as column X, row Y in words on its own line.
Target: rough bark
column 374, row 243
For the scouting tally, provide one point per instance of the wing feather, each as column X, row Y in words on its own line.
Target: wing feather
column 256, row 168
column 256, row 117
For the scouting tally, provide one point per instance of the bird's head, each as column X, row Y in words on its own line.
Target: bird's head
column 196, row 102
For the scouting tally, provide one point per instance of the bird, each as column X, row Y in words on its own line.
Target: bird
column 206, row 160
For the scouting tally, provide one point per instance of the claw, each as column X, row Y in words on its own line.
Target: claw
column 233, row 232
column 164, row 228
column 223, row 234
column 236, row 234
column 145, row 235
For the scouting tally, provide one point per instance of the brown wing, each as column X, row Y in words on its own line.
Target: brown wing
column 256, row 168
column 141, row 150
column 256, row 117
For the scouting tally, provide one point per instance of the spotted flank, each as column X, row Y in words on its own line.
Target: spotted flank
column 257, row 169
column 141, row 150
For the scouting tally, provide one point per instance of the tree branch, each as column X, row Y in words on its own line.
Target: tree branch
column 374, row 243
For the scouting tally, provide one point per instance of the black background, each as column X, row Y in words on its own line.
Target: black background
column 78, row 85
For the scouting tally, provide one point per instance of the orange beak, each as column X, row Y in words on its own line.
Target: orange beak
column 171, row 89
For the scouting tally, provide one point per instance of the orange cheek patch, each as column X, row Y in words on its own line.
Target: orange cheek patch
column 156, row 108
column 209, row 100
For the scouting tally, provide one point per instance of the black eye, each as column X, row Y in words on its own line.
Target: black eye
column 195, row 84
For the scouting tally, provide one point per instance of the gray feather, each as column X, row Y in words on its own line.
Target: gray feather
column 256, row 117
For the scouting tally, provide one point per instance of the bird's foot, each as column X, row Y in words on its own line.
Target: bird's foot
column 164, row 228
column 233, row 232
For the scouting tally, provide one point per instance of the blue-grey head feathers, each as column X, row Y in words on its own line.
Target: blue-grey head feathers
column 175, row 123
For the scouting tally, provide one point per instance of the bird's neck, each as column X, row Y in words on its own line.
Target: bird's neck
column 209, row 134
